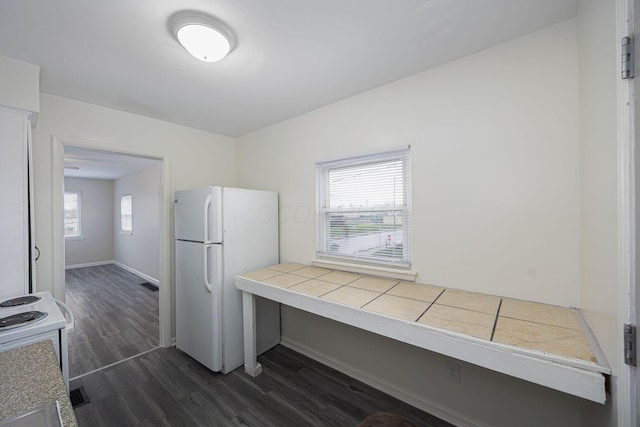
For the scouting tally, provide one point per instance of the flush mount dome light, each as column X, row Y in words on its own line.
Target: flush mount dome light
column 203, row 36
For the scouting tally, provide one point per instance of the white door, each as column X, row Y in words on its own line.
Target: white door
column 198, row 215
column 14, row 218
column 198, row 302
column 634, row 299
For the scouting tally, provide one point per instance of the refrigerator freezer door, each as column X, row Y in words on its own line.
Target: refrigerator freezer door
column 198, row 215
column 198, row 302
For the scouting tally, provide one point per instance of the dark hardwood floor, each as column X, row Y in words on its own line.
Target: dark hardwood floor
column 165, row 387
column 115, row 317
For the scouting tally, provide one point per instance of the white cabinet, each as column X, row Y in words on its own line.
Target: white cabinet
column 15, row 231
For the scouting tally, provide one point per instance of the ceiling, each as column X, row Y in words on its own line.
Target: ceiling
column 93, row 164
column 292, row 56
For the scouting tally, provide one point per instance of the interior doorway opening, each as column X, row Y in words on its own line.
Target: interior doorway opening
column 112, row 269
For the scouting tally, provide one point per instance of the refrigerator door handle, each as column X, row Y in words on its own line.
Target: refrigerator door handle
column 207, row 203
column 207, row 284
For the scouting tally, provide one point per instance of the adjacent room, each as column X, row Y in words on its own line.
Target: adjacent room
column 360, row 212
column 111, row 232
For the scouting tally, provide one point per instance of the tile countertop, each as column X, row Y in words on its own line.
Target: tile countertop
column 30, row 377
column 528, row 325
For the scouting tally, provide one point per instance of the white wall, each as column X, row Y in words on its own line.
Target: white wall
column 19, row 85
column 193, row 158
column 419, row 377
column 139, row 250
column 196, row 158
column 96, row 243
column 494, row 146
column 599, row 180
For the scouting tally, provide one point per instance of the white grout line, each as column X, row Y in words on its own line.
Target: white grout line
column 113, row 364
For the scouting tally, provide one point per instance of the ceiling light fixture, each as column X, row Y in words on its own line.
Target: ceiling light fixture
column 203, row 36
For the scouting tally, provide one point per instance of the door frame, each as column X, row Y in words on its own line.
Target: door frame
column 627, row 386
column 57, row 200
column 631, row 23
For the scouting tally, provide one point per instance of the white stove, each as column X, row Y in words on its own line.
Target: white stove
column 32, row 318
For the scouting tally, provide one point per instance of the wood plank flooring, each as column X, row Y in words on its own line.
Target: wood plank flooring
column 115, row 317
column 166, row 387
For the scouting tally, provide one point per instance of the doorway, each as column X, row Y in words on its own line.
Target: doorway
column 113, row 277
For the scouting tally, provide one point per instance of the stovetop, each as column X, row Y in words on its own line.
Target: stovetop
column 19, row 315
column 19, row 319
column 20, row 301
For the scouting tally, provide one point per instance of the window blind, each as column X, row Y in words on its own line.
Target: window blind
column 363, row 206
column 126, row 214
column 71, row 214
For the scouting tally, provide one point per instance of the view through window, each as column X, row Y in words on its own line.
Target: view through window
column 363, row 206
column 72, row 214
column 126, row 214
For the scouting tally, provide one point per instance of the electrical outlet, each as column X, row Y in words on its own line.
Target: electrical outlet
column 453, row 373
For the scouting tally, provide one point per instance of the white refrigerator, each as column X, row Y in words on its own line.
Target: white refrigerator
column 221, row 232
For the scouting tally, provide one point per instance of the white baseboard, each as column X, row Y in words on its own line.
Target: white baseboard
column 434, row 408
column 146, row 277
column 88, row 264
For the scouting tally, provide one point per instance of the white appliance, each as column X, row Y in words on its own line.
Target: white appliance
column 32, row 318
column 222, row 232
column 17, row 269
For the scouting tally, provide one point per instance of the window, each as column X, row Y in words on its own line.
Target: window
column 72, row 214
column 126, row 214
column 363, row 208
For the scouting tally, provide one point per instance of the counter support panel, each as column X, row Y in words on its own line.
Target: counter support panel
column 251, row 365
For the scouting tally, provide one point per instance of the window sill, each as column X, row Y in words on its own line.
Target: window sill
column 393, row 273
column 127, row 233
column 72, row 238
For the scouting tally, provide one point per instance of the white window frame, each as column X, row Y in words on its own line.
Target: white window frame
column 79, row 198
column 323, row 211
column 123, row 220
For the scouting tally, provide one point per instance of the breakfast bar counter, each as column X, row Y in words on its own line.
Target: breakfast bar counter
column 544, row 344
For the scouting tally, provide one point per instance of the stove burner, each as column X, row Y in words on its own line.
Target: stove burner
column 20, row 319
column 14, row 302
